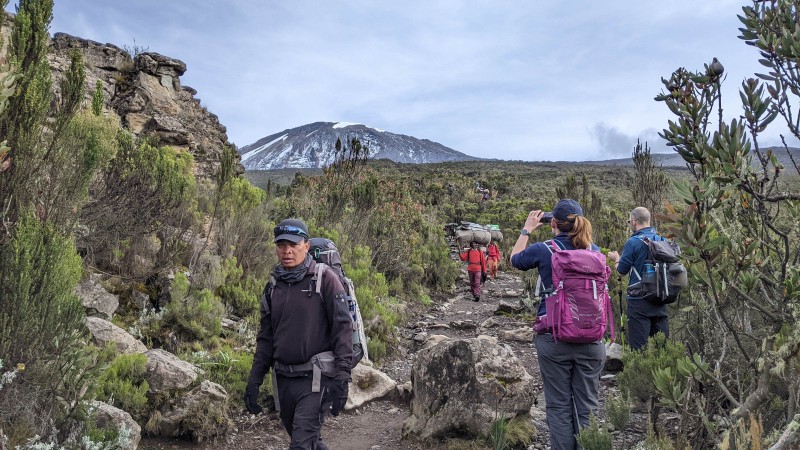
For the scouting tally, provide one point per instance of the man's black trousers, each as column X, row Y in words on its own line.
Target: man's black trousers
column 303, row 411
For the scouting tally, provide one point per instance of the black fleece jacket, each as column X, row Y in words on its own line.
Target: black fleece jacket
column 298, row 323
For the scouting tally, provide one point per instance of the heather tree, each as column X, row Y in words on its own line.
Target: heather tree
column 44, row 175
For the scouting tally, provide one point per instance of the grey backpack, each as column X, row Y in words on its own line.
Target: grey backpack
column 663, row 277
column 326, row 254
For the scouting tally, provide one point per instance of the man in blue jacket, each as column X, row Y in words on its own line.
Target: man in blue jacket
column 645, row 319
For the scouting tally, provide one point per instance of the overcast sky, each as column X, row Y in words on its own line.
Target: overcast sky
column 517, row 79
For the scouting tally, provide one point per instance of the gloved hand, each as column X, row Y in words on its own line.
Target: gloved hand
column 251, row 399
column 483, row 277
column 338, row 392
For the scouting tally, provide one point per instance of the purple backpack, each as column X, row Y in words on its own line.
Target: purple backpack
column 579, row 310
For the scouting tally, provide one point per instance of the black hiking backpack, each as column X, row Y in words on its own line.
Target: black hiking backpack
column 326, row 254
column 663, row 276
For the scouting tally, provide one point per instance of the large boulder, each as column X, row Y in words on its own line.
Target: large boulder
column 199, row 414
column 463, row 386
column 166, row 371
column 94, row 297
column 108, row 417
column 104, row 331
column 367, row 384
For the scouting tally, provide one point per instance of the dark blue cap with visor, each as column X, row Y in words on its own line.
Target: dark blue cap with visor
column 293, row 230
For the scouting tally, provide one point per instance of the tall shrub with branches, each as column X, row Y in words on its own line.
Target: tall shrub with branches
column 46, row 166
column 650, row 183
column 34, row 156
column 147, row 189
column 739, row 230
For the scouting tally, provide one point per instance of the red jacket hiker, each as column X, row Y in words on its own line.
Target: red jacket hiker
column 494, row 258
column 476, row 269
column 475, row 258
column 493, row 250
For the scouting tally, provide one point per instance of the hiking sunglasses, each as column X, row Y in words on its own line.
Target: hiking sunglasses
column 289, row 229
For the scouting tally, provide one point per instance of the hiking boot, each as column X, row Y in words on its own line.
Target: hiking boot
column 477, row 298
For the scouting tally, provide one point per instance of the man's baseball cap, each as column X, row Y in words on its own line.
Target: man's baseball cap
column 294, row 230
column 566, row 207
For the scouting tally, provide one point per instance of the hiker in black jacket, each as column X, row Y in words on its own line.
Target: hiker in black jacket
column 305, row 336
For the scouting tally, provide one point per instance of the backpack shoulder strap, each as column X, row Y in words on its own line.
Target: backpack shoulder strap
column 549, row 245
column 317, row 279
column 646, row 241
column 553, row 246
column 268, row 292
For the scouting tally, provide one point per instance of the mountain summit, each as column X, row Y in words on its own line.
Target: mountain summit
column 314, row 146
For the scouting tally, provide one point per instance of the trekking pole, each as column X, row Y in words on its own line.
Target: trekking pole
column 619, row 290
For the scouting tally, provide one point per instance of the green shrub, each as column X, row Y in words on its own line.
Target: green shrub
column 618, row 408
column 230, row 369
column 497, row 435
column 145, row 189
column 41, row 326
column 378, row 310
column 123, row 384
column 516, row 433
column 638, row 375
column 239, row 293
column 595, row 436
column 193, row 316
column 656, row 441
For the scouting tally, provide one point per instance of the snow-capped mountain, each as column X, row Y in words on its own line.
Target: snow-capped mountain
column 313, row 145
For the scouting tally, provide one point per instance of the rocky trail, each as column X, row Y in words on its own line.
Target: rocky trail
column 378, row 424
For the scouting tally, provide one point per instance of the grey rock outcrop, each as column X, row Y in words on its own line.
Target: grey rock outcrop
column 434, row 340
column 199, row 414
column 509, row 307
column 524, row 334
column 108, row 417
column 95, row 298
column 166, row 371
column 147, row 95
column 367, row 384
column 104, row 331
column 613, row 358
column 463, row 386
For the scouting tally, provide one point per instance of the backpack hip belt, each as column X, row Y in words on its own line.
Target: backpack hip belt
column 319, row 364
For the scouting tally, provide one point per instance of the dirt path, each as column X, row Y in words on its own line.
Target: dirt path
column 378, row 425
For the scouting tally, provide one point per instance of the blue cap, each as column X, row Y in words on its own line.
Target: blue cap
column 294, row 230
column 566, row 207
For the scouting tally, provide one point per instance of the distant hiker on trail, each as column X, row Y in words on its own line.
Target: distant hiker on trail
column 492, row 257
column 570, row 371
column 486, row 195
column 305, row 337
column 645, row 318
column 476, row 269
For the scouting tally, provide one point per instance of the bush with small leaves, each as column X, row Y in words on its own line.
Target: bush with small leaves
column 595, row 436
column 193, row 316
column 228, row 368
column 123, row 384
column 638, row 375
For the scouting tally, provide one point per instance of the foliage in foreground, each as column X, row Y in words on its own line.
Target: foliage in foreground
column 739, row 232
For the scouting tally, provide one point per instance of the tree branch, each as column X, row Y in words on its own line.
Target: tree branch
column 762, row 391
column 754, row 303
column 724, row 319
column 789, row 436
